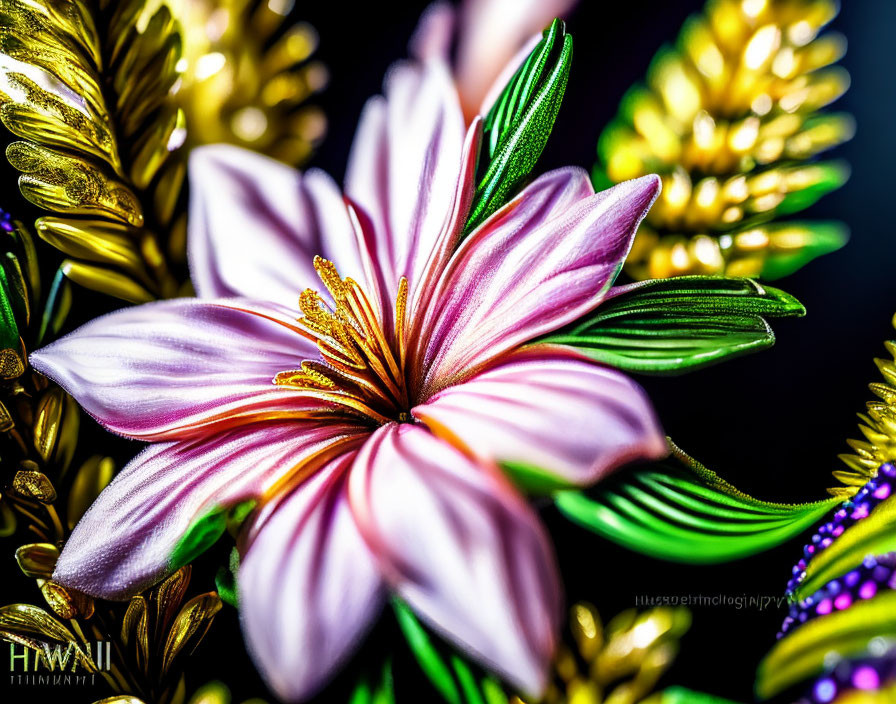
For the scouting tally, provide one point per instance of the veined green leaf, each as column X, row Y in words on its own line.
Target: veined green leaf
column 803, row 653
column 517, row 127
column 873, row 535
column 683, row 512
column 670, row 326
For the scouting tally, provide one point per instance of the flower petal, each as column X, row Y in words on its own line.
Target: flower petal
column 456, row 542
column 125, row 541
column 255, row 225
column 542, row 261
column 552, row 411
column 405, row 168
column 309, row 587
column 170, row 369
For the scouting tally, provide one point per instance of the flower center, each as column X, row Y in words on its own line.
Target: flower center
column 360, row 367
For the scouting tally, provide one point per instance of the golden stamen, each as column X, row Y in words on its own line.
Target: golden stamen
column 401, row 304
column 360, row 370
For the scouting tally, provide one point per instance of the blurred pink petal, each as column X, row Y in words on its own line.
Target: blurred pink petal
column 404, row 173
column 308, row 585
column 493, row 37
column 173, row 369
column 255, row 225
column 509, row 282
column 457, row 543
column 434, row 34
column 499, row 416
column 125, row 541
column 491, row 33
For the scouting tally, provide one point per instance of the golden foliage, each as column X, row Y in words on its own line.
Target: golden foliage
column 877, row 425
column 86, row 86
column 730, row 117
column 616, row 663
column 247, row 76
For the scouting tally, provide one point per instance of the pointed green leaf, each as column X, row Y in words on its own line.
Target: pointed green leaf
column 818, row 179
column 59, row 303
column 9, row 329
column 225, row 579
column 815, row 239
column 200, row 536
column 671, row 326
column 428, row 657
column 517, row 127
column 680, row 511
column 452, row 676
column 204, row 532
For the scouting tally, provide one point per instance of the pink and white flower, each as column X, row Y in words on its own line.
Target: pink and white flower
column 370, row 423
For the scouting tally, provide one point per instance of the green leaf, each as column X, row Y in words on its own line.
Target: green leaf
column 671, row 326
column 200, row 536
column 225, row 579
column 426, row 653
column 814, row 240
column 818, row 179
column 9, row 329
column 59, row 303
column 873, row 535
column 805, row 652
column 447, row 671
column 682, row 512
column 381, row 693
column 204, row 532
column 680, row 695
column 518, row 125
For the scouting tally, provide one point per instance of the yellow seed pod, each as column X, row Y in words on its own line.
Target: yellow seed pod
column 730, row 117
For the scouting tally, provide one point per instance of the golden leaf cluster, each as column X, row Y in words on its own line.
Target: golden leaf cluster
column 877, row 425
column 39, row 422
column 731, row 118
column 150, row 638
column 86, row 90
column 616, row 663
column 247, row 75
column 108, row 98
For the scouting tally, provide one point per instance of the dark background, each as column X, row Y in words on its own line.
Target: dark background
column 772, row 424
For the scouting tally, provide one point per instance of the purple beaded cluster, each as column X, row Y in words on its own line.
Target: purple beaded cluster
column 849, row 676
column 875, row 574
column 880, row 487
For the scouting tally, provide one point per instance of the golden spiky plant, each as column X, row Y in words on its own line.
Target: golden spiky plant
column 731, row 117
column 247, row 75
column 618, row 663
column 877, row 425
column 86, row 87
column 147, row 639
